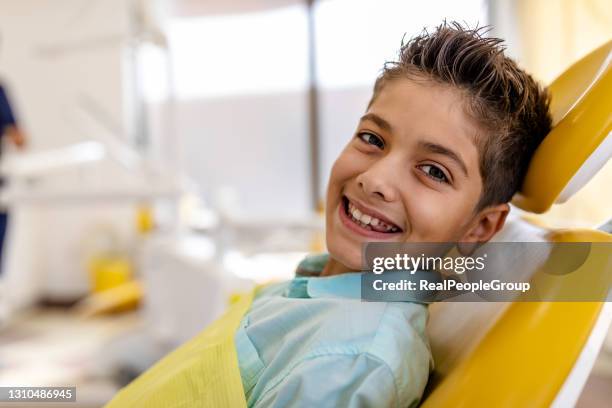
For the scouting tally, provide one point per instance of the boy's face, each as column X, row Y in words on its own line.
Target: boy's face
column 412, row 168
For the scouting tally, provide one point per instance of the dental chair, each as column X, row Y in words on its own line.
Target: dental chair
column 513, row 354
column 536, row 354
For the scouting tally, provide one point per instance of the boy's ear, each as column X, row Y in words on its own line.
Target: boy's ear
column 484, row 225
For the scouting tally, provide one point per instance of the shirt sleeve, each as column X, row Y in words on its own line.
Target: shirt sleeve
column 361, row 380
column 7, row 118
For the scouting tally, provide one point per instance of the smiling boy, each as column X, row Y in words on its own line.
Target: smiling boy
column 442, row 148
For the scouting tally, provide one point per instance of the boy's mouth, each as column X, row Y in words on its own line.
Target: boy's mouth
column 360, row 217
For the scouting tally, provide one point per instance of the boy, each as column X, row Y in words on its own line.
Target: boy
column 443, row 146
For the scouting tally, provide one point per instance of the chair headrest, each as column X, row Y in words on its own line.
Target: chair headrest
column 580, row 142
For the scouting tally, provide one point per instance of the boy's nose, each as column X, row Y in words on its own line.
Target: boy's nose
column 379, row 181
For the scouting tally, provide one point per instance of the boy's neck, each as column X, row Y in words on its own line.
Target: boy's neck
column 333, row 267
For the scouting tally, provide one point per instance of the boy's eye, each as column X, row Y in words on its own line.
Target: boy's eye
column 434, row 173
column 372, row 139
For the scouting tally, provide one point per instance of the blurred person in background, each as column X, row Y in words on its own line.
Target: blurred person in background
column 10, row 129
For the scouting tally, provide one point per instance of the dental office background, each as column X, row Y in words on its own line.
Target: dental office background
column 180, row 149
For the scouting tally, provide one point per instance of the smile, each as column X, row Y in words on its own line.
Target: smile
column 364, row 222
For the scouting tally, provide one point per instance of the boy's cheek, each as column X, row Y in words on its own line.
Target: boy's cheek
column 346, row 166
column 337, row 175
column 430, row 214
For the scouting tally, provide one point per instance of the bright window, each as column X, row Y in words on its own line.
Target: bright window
column 239, row 54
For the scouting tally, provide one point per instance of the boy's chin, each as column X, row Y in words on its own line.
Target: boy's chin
column 348, row 258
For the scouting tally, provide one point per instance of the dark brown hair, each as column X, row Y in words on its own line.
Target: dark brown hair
column 503, row 99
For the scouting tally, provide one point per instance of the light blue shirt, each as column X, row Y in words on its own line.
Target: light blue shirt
column 312, row 342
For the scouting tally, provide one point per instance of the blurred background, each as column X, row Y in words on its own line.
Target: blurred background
column 178, row 150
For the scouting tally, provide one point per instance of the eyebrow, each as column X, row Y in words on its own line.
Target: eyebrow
column 439, row 149
column 380, row 122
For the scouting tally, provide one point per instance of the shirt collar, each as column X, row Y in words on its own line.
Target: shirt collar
column 308, row 283
column 346, row 285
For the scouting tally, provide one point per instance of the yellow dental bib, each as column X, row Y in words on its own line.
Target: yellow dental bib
column 203, row 372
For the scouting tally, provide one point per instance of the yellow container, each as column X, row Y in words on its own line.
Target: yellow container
column 145, row 221
column 109, row 271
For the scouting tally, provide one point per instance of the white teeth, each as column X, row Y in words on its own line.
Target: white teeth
column 367, row 221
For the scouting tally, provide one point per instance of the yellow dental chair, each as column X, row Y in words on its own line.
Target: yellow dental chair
column 486, row 354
